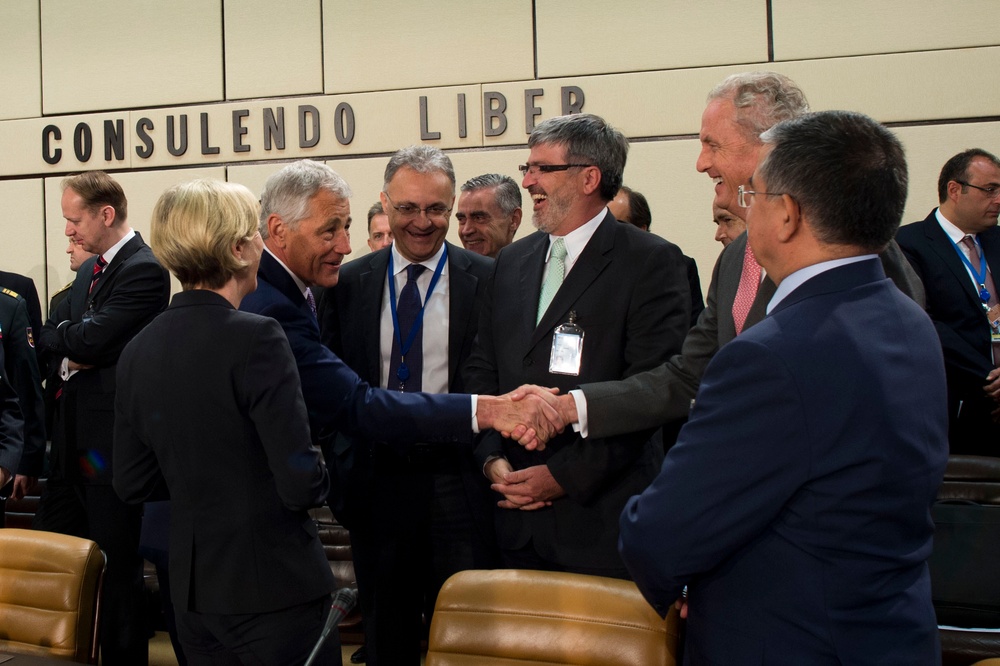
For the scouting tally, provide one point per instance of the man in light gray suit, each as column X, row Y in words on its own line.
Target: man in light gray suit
column 739, row 109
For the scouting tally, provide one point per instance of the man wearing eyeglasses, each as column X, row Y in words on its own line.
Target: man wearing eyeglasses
column 584, row 299
column 956, row 251
column 739, row 109
column 404, row 318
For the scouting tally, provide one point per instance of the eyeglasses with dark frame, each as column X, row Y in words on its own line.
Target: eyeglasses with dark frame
column 991, row 192
column 525, row 169
column 744, row 197
column 434, row 212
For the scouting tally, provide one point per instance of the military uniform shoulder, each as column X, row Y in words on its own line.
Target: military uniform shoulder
column 11, row 293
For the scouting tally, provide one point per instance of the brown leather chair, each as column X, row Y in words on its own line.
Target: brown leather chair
column 337, row 546
column 50, row 587
column 531, row 618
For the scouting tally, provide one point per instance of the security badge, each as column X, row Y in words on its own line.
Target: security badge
column 567, row 348
column 993, row 316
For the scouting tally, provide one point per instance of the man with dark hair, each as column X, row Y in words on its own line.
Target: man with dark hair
column 584, row 299
column 728, row 227
column 379, row 233
column 114, row 296
column 795, row 506
column 955, row 251
column 489, row 213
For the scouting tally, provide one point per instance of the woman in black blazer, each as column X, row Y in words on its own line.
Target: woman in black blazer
column 209, row 411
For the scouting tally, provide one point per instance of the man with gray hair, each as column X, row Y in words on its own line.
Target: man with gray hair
column 404, row 318
column 489, row 213
column 739, row 110
column 585, row 299
column 795, row 506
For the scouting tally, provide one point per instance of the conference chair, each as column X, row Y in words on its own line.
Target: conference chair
column 50, row 589
column 531, row 618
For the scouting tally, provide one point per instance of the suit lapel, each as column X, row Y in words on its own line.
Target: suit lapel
column 591, row 262
column 372, row 284
column 990, row 240
column 944, row 248
column 461, row 296
column 124, row 253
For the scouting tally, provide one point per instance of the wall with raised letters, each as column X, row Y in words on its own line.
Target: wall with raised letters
column 161, row 92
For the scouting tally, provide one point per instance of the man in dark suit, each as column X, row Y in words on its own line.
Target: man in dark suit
column 423, row 514
column 11, row 421
column 739, row 109
column 584, row 299
column 114, row 296
column 25, row 287
column 956, row 250
column 795, row 506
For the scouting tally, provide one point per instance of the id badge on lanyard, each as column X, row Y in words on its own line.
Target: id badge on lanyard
column 567, row 348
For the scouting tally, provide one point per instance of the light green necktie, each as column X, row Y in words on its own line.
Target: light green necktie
column 554, row 273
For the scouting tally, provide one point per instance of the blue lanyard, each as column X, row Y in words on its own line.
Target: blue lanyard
column 980, row 275
column 404, row 347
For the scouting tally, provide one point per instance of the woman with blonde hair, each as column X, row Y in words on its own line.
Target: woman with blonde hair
column 210, row 410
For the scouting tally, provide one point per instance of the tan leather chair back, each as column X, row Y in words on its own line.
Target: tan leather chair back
column 535, row 618
column 49, row 593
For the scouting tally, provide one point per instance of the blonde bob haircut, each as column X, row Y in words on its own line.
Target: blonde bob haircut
column 195, row 227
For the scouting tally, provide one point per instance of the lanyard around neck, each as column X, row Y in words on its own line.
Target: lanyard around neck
column 980, row 275
column 404, row 347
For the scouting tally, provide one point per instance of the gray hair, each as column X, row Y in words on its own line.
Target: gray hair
column 762, row 100
column 846, row 171
column 422, row 159
column 508, row 193
column 588, row 139
column 287, row 192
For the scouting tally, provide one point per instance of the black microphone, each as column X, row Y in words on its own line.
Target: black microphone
column 342, row 604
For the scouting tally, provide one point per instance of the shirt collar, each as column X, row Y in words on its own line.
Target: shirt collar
column 110, row 253
column 954, row 233
column 803, row 275
column 298, row 283
column 399, row 262
column 577, row 239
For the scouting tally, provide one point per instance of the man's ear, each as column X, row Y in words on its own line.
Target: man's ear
column 108, row 215
column 592, row 178
column 277, row 229
column 791, row 224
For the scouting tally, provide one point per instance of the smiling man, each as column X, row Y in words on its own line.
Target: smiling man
column 489, row 213
column 404, row 319
column 584, row 299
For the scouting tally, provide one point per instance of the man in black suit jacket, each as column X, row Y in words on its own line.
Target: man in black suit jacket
column 417, row 516
column 106, row 308
column 626, row 292
column 961, row 300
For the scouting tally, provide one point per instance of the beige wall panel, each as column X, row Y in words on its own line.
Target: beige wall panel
column 142, row 188
column 384, row 45
column 20, row 60
column 928, row 147
column 905, row 86
column 574, row 36
column 23, row 148
column 821, row 29
column 273, row 49
column 23, row 249
column 158, row 53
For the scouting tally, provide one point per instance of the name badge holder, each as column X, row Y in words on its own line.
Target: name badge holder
column 567, row 348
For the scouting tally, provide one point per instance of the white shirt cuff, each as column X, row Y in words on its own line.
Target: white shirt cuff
column 475, row 419
column 581, row 412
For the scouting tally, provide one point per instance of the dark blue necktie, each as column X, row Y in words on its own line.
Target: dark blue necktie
column 405, row 372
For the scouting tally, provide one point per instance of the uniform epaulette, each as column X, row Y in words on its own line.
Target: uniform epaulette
column 10, row 292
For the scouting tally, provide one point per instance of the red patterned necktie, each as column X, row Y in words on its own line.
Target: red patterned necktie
column 747, row 291
column 98, row 267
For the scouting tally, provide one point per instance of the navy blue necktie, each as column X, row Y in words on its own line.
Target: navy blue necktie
column 405, row 372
